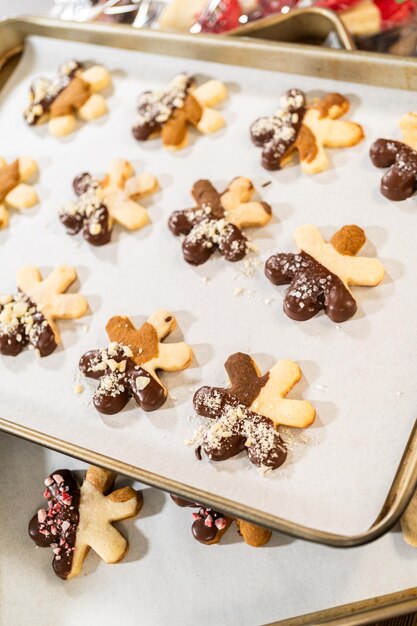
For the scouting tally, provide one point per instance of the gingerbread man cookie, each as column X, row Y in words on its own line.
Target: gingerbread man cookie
column 100, row 203
column 73, row 92
column 169, row 112
column 246, row 415
column 128, row 367
column 15, row 192
column 28, row 317
column 216, row 222
column 320, row 274
column 307, row 128
column 79, row 517
column 209, row 525
column 400, row 157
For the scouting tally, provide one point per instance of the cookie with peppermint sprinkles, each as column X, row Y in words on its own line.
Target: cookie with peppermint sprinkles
column 246, row 415
column 209, row 525
column 78, row 517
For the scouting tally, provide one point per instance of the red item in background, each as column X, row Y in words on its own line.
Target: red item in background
column 393, row 12
column 224, row 16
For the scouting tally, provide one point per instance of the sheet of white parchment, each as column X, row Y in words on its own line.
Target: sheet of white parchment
column 361, row 376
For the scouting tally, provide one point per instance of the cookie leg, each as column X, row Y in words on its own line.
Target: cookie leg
column 255, row 536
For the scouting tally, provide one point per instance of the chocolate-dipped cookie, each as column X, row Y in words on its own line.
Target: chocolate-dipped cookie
column 319, row 274
column 78, row 517
column 246, row 415
column 217, row 220
column 128, row 367
column 305, row 128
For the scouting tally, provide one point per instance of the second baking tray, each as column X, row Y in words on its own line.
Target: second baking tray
column 361, row 376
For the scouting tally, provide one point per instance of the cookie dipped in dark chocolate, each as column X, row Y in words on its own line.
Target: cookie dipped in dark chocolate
column 206, row 229
column 207, row 522
column 278, row 133
column 120, row 379
column 400, row 181
column 312, row 287
column 22, row 324
column 237, row 429
column 45, row 92
column 156, row 107
column 88, row 213
column 56, row 524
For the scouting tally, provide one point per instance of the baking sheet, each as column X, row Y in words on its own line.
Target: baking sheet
column 360, row 376
column 201, row 584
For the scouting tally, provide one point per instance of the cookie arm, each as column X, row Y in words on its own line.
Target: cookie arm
column 271, row 402
column 173, row 357
column 67, row 306
column 210, row 93
column 250, row 214
column 352, row 270
column 123, row 503
column 359, row 270
column 108, row 543
column 59, row 279
column 340, row 134
column 128, row 213
column 27, row 278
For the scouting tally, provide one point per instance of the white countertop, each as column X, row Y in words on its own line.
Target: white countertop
column 169, row 578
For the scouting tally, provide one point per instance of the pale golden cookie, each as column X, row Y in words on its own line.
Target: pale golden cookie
column 181, row 104
column 100, row 203
column 49, row 294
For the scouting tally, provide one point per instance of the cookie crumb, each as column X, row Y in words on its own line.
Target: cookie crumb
column 78, row 389
column 238, row 291
column 205, row 279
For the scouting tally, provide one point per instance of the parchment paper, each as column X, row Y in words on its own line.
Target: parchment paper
column 361, row 376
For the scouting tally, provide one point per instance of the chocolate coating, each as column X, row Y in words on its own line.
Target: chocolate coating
column 207, row 522
column 118, row 385
column 278, row 133
column 312, row 287
column 56, row 524
column 44, row 92
column 88, row 213
column 400, row 181
column 22, row 324
column 155, row 108
column 239, row 429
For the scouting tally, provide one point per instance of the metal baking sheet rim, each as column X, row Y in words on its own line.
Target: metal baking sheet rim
column 307, row 60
